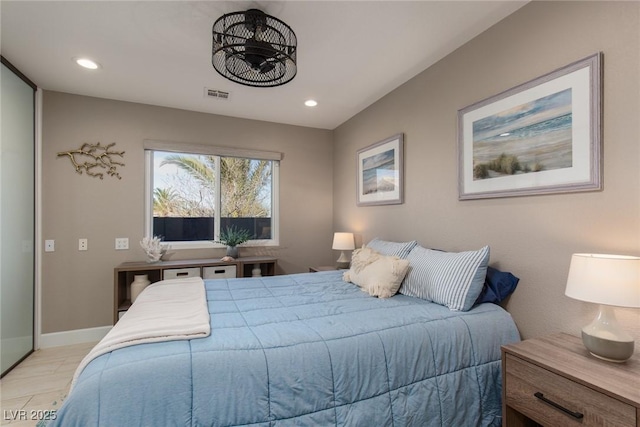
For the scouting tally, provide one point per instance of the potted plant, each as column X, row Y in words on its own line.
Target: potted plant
column 232, row 237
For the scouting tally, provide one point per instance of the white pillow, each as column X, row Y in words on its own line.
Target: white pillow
column 447, row 278
column 376, row 274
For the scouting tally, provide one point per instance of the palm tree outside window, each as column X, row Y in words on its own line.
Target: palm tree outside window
column 196, row 196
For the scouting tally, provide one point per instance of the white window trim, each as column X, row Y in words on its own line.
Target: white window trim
column 155, row 145
column 213, row 150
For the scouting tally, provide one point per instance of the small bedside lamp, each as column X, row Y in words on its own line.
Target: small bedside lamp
column 343, row 242
column 608, row 280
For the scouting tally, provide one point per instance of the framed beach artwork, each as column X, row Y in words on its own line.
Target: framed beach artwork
column 541, row 137
column 380, row 173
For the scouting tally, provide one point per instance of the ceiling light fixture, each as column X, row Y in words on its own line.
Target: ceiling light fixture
column 254, row 49
column 87, row 63
column 310, row 103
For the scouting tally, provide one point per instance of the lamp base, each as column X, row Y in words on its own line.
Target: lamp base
column 611, row 351
column 605, row 339
column 342, row 262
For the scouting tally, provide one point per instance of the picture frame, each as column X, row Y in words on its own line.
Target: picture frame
column 541, row 137
column 380, row 169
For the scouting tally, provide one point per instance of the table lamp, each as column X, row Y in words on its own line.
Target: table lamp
column 343, row 242
column 608, row 280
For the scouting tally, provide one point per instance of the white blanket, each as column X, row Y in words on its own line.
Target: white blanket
column 168, row 310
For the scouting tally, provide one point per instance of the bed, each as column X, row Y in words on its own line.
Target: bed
column 309, row 350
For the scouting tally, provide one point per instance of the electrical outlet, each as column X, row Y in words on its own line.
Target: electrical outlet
column 49, row 245
column 83, row 244
column 122, row 243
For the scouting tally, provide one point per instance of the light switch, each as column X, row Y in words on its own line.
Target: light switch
column 122, row 243
column 49, row 245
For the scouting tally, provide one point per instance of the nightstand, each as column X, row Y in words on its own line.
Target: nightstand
column 322, row 268
column 554, row 381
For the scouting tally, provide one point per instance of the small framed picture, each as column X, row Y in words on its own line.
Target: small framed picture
column 541, row 137
column 380, row 173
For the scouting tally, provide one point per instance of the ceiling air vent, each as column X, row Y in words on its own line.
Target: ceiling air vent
column 217, row 94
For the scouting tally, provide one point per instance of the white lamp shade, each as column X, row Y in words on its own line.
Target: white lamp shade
column 605, row 279
column 343, row 242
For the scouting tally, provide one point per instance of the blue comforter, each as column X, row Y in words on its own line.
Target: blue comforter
column 305, row 350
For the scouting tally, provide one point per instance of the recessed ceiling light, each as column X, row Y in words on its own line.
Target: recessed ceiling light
column 310, row 103
column 87, row 63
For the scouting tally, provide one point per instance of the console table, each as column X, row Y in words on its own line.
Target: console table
column 123, row 274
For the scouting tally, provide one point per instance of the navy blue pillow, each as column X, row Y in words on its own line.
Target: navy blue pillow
column 497, row 286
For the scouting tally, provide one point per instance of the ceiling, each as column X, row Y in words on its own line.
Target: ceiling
column 350, row 53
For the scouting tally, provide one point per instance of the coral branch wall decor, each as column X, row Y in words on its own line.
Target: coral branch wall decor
column 91, row 156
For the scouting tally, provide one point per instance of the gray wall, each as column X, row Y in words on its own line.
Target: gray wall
column 77, row 287
column 534, row 236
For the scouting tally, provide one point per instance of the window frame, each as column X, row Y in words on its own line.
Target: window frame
column 189, row 148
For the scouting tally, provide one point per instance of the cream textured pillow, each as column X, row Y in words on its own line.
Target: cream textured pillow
column 376, row 274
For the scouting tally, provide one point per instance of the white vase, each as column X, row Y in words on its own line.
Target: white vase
column 140, row 281
column 257, row 271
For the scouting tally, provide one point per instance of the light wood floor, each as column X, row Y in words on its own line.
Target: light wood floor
column 39, row 383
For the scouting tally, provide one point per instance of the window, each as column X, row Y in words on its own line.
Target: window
column 194, row 192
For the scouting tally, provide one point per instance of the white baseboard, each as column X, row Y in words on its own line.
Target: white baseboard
column 77, row 336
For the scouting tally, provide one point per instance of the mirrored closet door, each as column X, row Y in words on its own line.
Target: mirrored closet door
column 17, row 216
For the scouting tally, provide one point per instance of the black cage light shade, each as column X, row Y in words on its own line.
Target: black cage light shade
column 254, row 49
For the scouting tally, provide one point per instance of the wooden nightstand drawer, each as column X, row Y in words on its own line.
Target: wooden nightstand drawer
column 533, row 391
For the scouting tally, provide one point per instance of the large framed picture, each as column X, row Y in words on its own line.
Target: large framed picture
column 541, row 137
column 380, row 173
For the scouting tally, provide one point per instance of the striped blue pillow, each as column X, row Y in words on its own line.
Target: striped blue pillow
column 451, row 279
column 399, row 249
